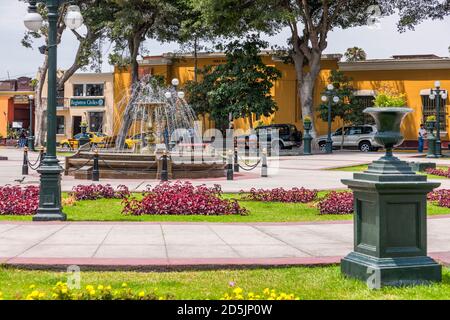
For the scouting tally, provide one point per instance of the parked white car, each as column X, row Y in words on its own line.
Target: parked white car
column 360, row 137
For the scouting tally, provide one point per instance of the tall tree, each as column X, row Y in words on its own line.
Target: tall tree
column 96, row 14
column 413, row 12
column 240, row 87
column 309, row 22
column 134, row 22
column 349, row 109
column 194, row 33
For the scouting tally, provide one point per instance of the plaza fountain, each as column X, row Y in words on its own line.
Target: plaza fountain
column 160, row 122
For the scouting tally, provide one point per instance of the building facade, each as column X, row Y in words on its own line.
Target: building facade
column 15, row 105
column 89, row 98
column 413, row 75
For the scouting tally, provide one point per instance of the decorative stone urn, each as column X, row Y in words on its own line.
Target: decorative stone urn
column 390, row 220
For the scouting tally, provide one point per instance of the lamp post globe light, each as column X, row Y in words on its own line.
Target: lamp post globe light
column 50, row 171
column 330, row 97
column 30, row 129
column 437, row 94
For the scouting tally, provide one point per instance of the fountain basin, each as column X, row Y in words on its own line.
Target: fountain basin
column 141, row 166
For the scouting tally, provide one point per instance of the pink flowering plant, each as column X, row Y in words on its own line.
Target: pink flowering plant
column 337, row 203
column 439, row 172
column 297, row 195
column 98, row 191
column 440, row 197
column 182, row 198
column 16, row 200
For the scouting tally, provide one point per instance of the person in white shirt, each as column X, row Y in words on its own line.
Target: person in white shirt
column 422, row 137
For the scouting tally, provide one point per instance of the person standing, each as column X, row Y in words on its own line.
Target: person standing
column 22, row 139
column 422, row 137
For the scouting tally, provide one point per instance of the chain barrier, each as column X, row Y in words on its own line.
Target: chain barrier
column 248, row 167
column 80, row 167
column 37, row 163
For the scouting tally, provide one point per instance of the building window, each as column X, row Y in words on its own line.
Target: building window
column 366, row 101
column 429, row 109
column 94, row 90
column 88, row 90
column 60, row 126
column 78, row 90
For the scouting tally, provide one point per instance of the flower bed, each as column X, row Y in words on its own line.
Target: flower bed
column 267, row 294
column 441, row 197
column 98, row 191
column 179, row 198
column 62, row 292
column 337, row 203
column 15, row 200
column 439, row 172
column 298, row 195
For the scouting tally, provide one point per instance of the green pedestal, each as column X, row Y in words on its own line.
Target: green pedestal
column 390, row 226
column 50, row 208
column 307, row 138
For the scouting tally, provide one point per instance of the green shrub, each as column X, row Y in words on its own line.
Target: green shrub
column 387, row 98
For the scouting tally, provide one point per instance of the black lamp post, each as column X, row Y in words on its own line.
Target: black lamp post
column 50, row 170
column 438, row 93
column 30, row 130
column 330, row 97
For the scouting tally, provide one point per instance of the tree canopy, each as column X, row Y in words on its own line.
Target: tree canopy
column 240, row 87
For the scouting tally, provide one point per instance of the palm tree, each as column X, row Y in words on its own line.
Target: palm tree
column 355, row 54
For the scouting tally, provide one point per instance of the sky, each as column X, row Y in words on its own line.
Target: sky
column 382, row 41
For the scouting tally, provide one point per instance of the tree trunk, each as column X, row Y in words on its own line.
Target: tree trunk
column 133, row 46
column 40, row 125
column 195, row 59
column 306, row 86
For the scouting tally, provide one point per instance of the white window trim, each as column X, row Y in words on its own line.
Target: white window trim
column 365, row 93
column 84, row 84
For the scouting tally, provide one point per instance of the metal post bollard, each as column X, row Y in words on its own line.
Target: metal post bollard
column 95, row 170
column 41, row 155
column 230, row 172
column 25, row 162
column 264, row 163
column 164, row 172
column 236, row 160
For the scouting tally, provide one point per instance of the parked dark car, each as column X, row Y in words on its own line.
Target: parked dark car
column 288, row 136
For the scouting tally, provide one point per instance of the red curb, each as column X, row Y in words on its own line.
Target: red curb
column 166, row 264
column 288, row 223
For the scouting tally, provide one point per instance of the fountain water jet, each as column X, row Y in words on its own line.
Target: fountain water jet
column 162, row 121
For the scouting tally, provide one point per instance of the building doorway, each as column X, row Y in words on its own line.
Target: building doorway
column 96, row 121
column 76, row 123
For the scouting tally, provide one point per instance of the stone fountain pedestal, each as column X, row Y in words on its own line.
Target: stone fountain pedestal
column 390, row 226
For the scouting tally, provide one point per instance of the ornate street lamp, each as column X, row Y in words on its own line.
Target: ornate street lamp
column 30, row 130
column 436, row 93
column 330, row 97
column 50, row 170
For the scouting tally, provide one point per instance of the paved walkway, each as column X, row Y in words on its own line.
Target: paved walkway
column 294, row 171
column 187, row 245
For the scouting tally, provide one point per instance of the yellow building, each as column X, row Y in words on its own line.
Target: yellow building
column 413, row 75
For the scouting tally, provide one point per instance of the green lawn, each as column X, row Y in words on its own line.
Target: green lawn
column 304, row 282
column 364, row 167
column 110, row 210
